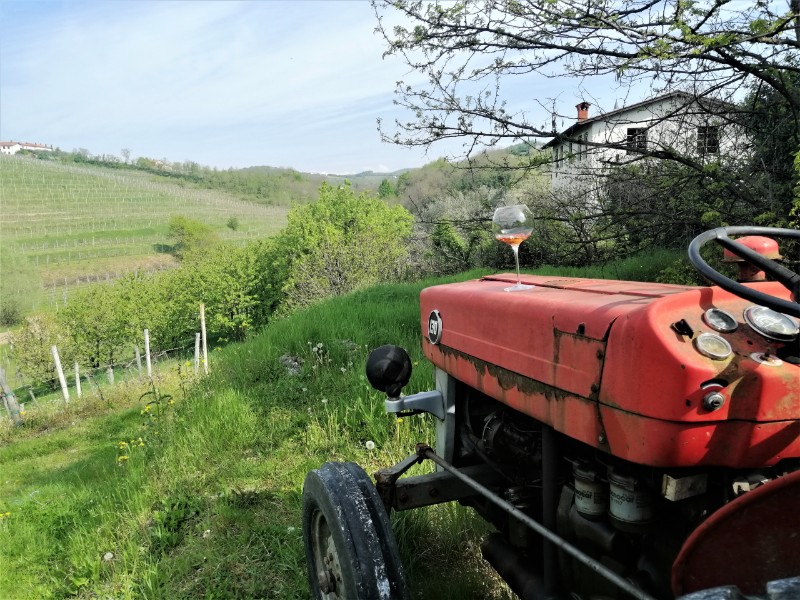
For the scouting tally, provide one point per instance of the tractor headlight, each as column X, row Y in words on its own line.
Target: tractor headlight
column 771, row 324
column 712, row 346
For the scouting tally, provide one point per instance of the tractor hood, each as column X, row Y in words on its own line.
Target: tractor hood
column 621, row 365
column 554, row 333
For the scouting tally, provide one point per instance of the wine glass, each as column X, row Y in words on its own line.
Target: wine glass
column 513, row 225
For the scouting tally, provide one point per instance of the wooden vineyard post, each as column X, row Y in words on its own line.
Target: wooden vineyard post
column 33, row 397
column 138, row 358
column 78, row 381
column 9, row 399
column 61, row 379
column 196, row 353
column 204, row 340
column 147, row 353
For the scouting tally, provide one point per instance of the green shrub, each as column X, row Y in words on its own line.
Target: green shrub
column 341, row 242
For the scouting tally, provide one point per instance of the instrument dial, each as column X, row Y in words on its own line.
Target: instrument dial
column 771, row 324
column 720, row 320
column 713, row 346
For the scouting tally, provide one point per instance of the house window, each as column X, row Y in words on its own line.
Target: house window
column 708, row 139
column 637, row 140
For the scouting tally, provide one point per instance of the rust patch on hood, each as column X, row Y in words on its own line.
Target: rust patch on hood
column 507, row 379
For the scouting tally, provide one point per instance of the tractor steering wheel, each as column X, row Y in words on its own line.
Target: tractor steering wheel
column 789, row 279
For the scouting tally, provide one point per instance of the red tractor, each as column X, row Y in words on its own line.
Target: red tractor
column 625, row 440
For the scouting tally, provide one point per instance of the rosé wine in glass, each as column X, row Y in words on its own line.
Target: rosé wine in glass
column 513, row 225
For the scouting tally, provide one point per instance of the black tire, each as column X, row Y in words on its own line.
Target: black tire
column 350, row 549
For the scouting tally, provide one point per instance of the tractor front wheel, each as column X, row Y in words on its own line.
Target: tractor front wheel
column 350, row 548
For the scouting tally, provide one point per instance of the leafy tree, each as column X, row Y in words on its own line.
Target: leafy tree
column 772, row 125
column 18, row 282
column 795, row 212
column 190, row 235
column 224, row 278
column 97, row 322
column 32, row 348
column 386, row 189
column 470, row 52
column 468, row 49
column 337, row 244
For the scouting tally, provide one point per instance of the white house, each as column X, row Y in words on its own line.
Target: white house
column 9, row 147
column 697, row 128
column 14, row 147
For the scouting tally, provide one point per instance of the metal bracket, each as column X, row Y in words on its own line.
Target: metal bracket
column 429, row 402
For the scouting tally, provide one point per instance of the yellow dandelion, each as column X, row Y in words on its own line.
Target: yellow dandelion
column 122, row 458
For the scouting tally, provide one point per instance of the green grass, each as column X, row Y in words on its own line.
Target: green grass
column 76, row 224
column 646, row 266
column 209, row 506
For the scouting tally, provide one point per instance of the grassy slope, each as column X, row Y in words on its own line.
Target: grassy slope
column 231, row 463
column 78, row 223
column 210, row 508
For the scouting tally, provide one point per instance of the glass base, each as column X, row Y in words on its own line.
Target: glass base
column 519, row 287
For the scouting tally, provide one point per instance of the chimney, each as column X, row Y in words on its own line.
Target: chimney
column 583, row 111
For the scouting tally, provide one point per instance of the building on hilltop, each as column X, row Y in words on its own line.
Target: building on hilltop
column 9, row 147
column 699, row 129
column 14, row 147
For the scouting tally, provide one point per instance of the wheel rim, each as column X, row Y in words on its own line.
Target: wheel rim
column 326, row 558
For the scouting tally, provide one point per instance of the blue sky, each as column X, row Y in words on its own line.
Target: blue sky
column 225, row 84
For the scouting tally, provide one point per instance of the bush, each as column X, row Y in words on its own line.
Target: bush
column 190, row 235
column 18, row 282
column 336, row 244
column 32, row 348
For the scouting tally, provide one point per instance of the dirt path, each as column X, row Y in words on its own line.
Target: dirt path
column 5, row 337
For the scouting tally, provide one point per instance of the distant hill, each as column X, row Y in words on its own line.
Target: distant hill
column 80, row 223
column 70, row 218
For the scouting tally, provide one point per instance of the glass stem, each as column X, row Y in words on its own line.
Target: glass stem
column 516, row 259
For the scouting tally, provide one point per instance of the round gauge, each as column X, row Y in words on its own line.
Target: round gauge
column 771, row 324
column 712, row 346
column 720, row 320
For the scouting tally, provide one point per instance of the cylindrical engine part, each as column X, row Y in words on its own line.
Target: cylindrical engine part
column 513, row 567
column 602, row 535
column 591, row 494
column 630, row 502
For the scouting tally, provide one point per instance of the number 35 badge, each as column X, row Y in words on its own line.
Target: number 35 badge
column 434, row 327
